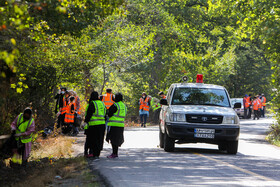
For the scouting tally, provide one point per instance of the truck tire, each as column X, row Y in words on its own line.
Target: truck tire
column 169, row 143
column 222, row 147
column 232, row 147
column 161, row 139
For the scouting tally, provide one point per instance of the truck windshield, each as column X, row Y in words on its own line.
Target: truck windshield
column 200, row 96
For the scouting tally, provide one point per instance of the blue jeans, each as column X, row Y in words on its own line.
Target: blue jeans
column 143, row 118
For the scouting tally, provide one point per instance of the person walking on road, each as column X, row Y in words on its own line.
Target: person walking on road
column 22, row 128
column 263, row 101
column 95, row 119
column 144, row 108
column 117, row 114
column 255, row 104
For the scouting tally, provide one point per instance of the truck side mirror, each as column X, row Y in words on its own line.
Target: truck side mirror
column 237, row 105
column 163, row 102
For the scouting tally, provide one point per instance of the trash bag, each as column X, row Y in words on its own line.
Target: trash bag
column 47, row 131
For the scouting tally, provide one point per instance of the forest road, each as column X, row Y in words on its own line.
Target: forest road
column 142, row 163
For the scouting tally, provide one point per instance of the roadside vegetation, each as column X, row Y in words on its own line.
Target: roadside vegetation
column 51, row 164
column 133, row 46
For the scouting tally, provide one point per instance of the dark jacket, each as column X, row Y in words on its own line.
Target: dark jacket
column 91, row 107
column 59, row 102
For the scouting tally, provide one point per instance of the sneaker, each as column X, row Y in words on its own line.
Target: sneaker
column 90, row 156
column 112, row 156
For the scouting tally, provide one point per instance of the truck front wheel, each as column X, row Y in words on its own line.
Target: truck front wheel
column 169, row 143
column 232, row 147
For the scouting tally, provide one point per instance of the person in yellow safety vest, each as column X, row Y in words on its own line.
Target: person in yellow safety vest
column 108, row 98
column 246, row 104
column 117, row 114
column 156, row 107
column 263, row 100
column 144, row 108
column 95, row 119
column 255, row 105
column 22, row 128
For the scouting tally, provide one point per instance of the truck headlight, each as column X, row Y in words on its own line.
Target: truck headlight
column 178, row 117
column 230, row 120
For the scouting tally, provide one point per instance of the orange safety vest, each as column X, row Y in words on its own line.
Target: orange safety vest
column 264, row 101
column 108, row 100
column 144, row 104
column 69, row 115
column 247, row 102
column 76, row 106
column 64, row 108
column 259, row 102
column 164, row 97
column 255, row 104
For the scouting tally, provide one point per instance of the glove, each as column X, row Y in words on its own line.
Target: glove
column 57, row 114
column 84, row 124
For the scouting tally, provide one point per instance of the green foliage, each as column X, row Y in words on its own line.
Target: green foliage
column 134, row 46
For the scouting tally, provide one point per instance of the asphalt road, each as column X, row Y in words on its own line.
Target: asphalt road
column 142, row 163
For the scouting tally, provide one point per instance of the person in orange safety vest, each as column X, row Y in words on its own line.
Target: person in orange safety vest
column 144, row 108
column 255, row 105
column 70, row 111
column 246, row 104
column 263, row 100
column 108, row 98
column 259, row 97
column 161, row 94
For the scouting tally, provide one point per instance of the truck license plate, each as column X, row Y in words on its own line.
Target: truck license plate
column 204, row 133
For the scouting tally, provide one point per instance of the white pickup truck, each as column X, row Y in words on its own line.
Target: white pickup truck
column 198, row 112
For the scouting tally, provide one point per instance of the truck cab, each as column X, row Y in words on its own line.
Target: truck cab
column 198, row 112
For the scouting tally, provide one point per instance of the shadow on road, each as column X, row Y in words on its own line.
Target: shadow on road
column 154, row 167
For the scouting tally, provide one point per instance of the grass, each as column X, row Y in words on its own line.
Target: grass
column 274, row 135
column 50, row 158
column 53, row 147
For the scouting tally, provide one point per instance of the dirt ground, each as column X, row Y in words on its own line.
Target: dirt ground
column 62, row 164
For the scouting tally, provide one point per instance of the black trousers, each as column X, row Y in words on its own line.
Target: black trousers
column 143, row 118
column 95, row 139
column 263, row 111
column 246, row 112
column 60, row 120
column 256, row 114
column 250, row 112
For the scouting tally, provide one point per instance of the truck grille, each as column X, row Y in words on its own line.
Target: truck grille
column 194, row 118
